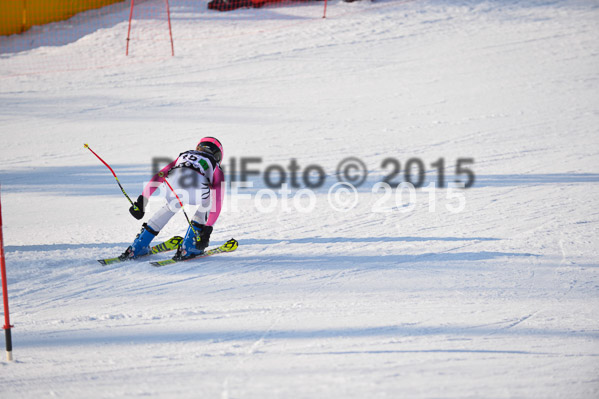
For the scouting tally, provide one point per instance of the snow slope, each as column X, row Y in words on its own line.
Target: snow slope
column 498, row 300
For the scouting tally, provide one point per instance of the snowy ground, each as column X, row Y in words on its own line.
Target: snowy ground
column 499, row 300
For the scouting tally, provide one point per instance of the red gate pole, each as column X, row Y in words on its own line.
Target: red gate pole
column 170, row 30
column 7, row 325
column 129, row 30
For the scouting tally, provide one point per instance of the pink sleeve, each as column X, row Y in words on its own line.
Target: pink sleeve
column 157, row 180
column 218, row 184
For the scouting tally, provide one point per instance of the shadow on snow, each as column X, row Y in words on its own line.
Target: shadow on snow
column 61, row 338
column 97, row 180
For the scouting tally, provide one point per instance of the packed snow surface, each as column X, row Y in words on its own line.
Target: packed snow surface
column 325, row 297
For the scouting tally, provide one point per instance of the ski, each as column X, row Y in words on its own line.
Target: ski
column 168, row 245
column 229, row 246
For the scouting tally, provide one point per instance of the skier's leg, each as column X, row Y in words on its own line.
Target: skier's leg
column 201, row 217
column 188, row 247
column 197, row 238
column 141, row 244
column 201, row 197
column 163, row 215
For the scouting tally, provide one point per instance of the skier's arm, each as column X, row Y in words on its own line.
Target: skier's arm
column 157, row 180
column 218, row 184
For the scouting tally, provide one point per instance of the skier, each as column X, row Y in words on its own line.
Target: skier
column 200, row 166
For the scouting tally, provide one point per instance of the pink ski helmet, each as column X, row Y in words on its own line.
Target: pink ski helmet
column 213, row 146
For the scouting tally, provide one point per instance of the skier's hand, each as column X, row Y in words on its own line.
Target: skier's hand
column 140, row 204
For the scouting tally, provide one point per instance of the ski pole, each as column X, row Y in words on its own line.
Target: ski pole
column 114, row 174
column 195, row 233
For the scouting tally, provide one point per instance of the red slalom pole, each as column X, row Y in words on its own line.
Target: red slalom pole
column 7, row 325
column 129, row 30
column 170, row 30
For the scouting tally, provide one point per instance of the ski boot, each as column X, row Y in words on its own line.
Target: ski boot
column 192, row 246
column 141, row 244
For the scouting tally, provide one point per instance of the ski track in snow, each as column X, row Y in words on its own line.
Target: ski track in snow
column 499, row 300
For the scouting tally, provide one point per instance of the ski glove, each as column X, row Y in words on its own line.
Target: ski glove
column 141, row 204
